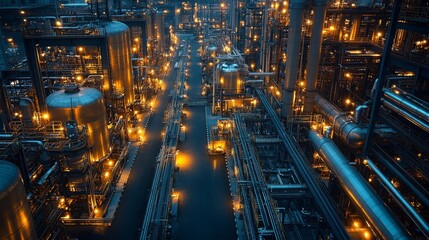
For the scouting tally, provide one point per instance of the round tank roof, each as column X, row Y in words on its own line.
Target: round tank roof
column 68, row 99
column 114, row 27
column 228, row 67
column 9, row 175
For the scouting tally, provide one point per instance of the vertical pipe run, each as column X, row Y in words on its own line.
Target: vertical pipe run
column 296, row 8
column 314, row 55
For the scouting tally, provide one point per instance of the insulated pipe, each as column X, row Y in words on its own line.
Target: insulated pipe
column 402, row 100
column 402, row 202
column 296, row 8
column 410, row 117
column 314, row 55
column 349, row 131
column 359, row 191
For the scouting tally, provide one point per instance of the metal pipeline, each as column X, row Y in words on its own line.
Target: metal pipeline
column 402, row 202
column 420, row 192
column 360, row 110
column 346, row 128
column 359, row 191
column 408, row 102
column 407, row 115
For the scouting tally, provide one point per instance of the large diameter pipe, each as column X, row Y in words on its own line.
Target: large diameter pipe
column 296, row 9
column 414, row 106
column 314, row 53
column 409, row 116
column 404, row 204
column 359, row 191
column 345, row 127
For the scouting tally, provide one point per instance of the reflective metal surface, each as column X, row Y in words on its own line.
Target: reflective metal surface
column 403, row 203
column 229, row 78
column 86, row 107
column 118, row 35
column 359, row 191
column 16, row 221
column 346, row 128
column 27, row 108
column 408, row 106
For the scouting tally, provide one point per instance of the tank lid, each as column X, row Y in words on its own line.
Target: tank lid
column 84, row 96
column 9, row 173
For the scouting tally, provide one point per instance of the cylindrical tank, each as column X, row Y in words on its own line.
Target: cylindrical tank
column 229, row 77
column 118, row 37
column 26, row 106
column 86, row 107
column 15, row 215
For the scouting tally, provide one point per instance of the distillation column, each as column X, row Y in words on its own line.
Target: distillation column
column 314, row 55
column 296, row 8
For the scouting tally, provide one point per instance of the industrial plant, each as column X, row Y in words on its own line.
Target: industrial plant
column 241, row 119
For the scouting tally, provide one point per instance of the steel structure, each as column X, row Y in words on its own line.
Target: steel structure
column 155, row 224
column 265, row 205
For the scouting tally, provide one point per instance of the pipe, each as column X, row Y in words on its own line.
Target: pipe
column 359, row 191
column 360, row 110
column 296, row 8
column 314, row 53
column 286, row 186
column 350, row 132
column 408, row 102
column 261, row 73
column 404, row 176
column 410, row 117
column 402, row 202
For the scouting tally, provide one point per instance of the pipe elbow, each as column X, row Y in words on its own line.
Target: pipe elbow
column 354, row 135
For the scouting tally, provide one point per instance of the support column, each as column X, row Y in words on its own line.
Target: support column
column 31, row 49
column 296, row 9
column 355, row 27
column 314, row 54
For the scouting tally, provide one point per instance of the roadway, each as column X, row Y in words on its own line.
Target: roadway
column 205, row 203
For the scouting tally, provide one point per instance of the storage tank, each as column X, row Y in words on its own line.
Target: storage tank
column 86, row 107
column 118, row 37
column 16, row 221
column 229, row 77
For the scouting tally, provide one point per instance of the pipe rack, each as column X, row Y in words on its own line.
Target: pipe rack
column 265, row 204
column 320, row 194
